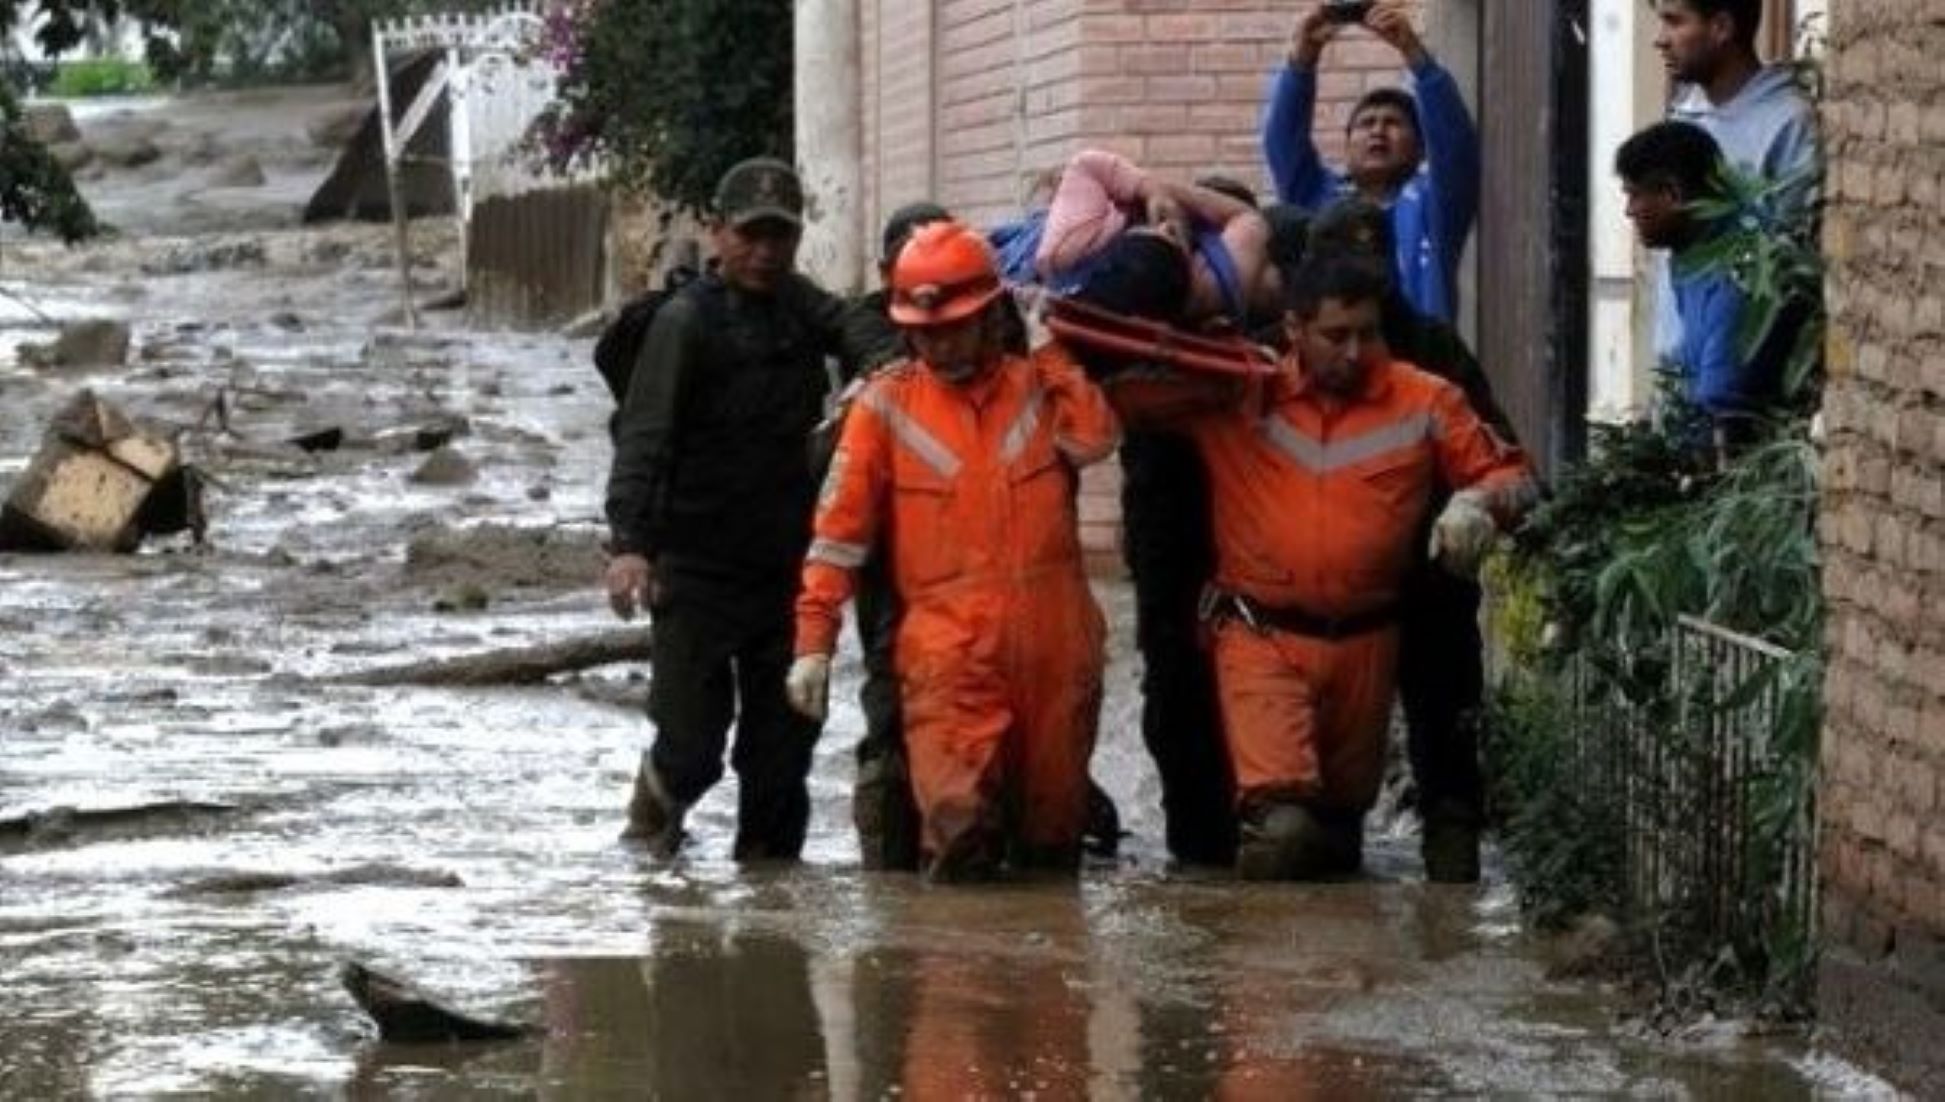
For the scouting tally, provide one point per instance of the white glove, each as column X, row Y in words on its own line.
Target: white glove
column 808, row 685
column 1463, row 534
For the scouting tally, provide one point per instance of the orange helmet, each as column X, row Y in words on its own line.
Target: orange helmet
column 945, row 273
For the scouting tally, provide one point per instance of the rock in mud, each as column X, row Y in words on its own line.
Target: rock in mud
column 63, row 824
column 500, row 556
column 73, row 156
column 127, row 150
column 406, row 1016
column 447, row 466
column 95, row 342
column 239, row 172
column 49, row 123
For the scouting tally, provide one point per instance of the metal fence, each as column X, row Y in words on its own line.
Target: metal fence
column 1686, row 768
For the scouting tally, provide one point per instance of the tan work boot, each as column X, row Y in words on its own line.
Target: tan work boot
column 654, row 817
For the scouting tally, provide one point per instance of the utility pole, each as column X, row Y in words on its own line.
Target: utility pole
column 830, row 142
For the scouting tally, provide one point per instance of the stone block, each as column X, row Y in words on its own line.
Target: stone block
column 87, row 487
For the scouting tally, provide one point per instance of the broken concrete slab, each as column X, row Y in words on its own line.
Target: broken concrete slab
column 91, row 483
column 92, row 342
column 406, row 1016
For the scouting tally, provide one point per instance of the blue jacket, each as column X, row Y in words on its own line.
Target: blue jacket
column 1769, row 128
column 1716, row 374
column 1431, row 217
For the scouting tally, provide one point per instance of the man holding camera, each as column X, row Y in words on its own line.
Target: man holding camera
column 1414, row 153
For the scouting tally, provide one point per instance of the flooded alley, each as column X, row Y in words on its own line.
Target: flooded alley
column 465, row 838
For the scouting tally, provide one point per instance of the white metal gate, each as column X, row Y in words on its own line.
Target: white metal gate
column 496, row 81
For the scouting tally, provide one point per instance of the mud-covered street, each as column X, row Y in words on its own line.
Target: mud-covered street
column 466, row 838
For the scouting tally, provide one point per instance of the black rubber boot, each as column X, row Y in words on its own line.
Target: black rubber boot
column 1283, row 841
column 1450, row 844
column 654, row 818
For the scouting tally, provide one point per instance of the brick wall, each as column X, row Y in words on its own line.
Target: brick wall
column 1882, row 850
column 966, row 101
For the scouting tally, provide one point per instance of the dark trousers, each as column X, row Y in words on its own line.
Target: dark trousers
column 881, row 803
column 1165, row 516
column 719, row 657
column 1441, row 680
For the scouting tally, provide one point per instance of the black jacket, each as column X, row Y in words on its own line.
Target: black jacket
column 711, row 470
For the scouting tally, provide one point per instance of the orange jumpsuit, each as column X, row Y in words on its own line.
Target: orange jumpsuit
column 1000, row 648
column 1317, row 503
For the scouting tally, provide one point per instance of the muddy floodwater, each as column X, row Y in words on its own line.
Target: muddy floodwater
column 465, row 839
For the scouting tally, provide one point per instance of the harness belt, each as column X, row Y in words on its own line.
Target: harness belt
column 1218, row 605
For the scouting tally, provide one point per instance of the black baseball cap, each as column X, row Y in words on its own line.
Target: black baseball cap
column 758, row 189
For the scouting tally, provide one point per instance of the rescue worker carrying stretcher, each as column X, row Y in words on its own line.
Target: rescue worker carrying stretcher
column 1320, row 475
column 960, row 465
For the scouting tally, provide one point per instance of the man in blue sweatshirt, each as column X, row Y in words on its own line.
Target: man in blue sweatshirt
column 1666, row 170
column 1416, row 153
column 1758, row 115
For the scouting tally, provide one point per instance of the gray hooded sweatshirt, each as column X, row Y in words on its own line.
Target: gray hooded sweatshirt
column 1769, row 128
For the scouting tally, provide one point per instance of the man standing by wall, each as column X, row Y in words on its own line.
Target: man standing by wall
column 1757, row 114
column 709, row 507
column 1417, row 155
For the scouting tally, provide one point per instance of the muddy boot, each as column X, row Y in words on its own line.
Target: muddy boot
column 654, row 817
column 1102, row 835
column 882, row 811
column 1450, row 844
column 1283, row 841
column 1344, row 840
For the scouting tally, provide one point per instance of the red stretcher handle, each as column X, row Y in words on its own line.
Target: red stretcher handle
column 1141, row 338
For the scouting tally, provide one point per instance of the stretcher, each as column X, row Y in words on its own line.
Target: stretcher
column 1143, row 340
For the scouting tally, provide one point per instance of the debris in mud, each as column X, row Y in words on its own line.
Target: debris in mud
column 379, row 875
column 242, row 172
column 468, row 597
column 406, row 1016
column 513, row 665
column 423, row 438
column 322, row 440
column 49, row 123
column 99, row 484
column 56, row 825
column 446, row 467
column 208, row 257
column 96, row 342
column 499, row 556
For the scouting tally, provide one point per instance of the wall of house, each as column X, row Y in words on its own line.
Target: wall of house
column 1882, row 847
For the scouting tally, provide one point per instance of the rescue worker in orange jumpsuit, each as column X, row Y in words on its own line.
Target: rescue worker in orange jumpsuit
column 1320, row 479
column 961, row 464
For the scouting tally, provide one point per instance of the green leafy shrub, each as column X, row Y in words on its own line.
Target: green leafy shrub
column 103, row 76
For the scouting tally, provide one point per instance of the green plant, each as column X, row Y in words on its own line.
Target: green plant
column 35, row 190
column 104, row 76
column 670, row 93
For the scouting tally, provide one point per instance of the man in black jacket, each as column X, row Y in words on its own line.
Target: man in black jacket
column 1441, row 669
column 709, row 505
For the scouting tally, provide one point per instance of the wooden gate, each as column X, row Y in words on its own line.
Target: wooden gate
column 538, row 257
column 1533, row 267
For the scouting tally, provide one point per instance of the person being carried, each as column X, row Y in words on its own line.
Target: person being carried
column 960, row 465
column 1134, row 243
column 1414, row 153
column 1320, row 477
